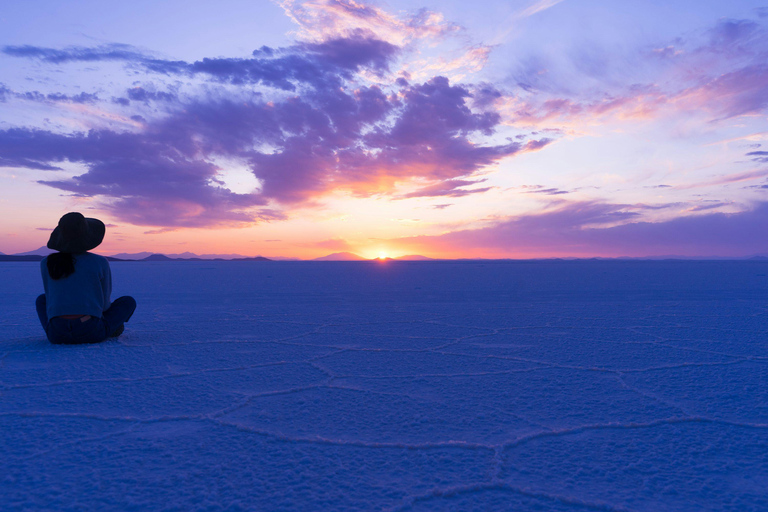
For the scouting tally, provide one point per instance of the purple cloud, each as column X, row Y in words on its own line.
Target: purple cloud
column 448, row 188
column 733, row 36
column 759, row 156
column 145, row 95
column 149, row 181
column 722, row 72
column 335, row 135
column 358, row 50
column 76, row 53
column 575, row 229
column 316, row 64
column 83, row 97
column 549, row 191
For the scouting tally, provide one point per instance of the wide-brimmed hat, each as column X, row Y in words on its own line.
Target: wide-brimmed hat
column 75, row 233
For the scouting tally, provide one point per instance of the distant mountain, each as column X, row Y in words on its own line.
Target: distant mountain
column 253, row 258
column 156, row 257
column 163, row 257
column 340, row 256
column 181, row 256
column 132, row 256
column 189, row 255
column 42, row 251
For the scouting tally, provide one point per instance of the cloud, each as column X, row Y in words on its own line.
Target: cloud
column 720, row 74
column 56, row 97
column 448, row 188
column 537, row 7
column 577, row 229
column 759, row 156
column 334, row 135
column 727, row 179
column 81, row 98
column 120, row 52
column 470, row 59
column 740, row 92
column 540, row 189
column 429, row 45
column 146, row 95
column 315, row 64
column 321, row 20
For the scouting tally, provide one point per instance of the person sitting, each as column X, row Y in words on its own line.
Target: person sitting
column 76, row 307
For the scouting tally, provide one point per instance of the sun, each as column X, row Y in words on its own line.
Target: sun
column 383, row 256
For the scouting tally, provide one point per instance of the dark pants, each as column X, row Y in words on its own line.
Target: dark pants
column 74, row 331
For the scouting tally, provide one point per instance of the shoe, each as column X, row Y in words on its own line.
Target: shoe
column 117, row 332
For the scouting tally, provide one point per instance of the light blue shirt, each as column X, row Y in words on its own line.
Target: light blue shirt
column 84, row 292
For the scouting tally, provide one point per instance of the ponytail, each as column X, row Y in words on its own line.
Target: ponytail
column 60, row 264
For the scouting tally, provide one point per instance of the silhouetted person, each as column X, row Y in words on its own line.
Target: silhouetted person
column 76, row 307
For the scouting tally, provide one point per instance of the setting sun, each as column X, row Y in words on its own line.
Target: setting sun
column 383, row 256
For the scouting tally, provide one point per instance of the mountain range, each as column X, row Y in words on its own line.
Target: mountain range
column 41, row 252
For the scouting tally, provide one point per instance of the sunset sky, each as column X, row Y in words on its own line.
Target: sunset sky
column 505, row 128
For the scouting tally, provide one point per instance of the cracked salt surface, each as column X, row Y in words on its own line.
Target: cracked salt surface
column 563, row 386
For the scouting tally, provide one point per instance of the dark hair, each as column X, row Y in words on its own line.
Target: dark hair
column 60, row 264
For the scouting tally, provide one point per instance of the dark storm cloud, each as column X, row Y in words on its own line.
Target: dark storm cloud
column 333, row 135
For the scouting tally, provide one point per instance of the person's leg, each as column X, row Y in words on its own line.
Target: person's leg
column 75, row 331
column 42, row 313
column 118, row 313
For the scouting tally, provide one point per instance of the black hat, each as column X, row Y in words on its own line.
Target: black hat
column 76, row 234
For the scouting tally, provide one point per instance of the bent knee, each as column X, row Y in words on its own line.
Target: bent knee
column 126, row 300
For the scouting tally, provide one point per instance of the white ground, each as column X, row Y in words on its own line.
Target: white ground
column 568, row 386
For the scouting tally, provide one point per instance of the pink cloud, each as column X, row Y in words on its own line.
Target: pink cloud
column 575, row 229
column 329, row 19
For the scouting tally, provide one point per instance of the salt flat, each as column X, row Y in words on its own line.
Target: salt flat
column 564, row 386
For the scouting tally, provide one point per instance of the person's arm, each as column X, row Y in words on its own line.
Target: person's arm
column 44, row 274
column 106, row 284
